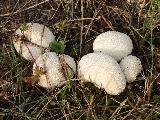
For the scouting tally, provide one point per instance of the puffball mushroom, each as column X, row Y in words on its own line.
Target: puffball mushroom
column 116, row 44
column 102, row 70
column 32, row 39
column 131, row 66
column 54, row 69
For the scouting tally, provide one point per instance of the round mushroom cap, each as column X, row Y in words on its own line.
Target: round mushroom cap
column 103, row 71
column 116, row 44
column 33, row 35
column 131, row 66
column 53, row 73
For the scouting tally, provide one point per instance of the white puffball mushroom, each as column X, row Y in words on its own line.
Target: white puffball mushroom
column 103, row 71
column 54, row 69
column 32, row 39
column 116, row 44
column 131, row 66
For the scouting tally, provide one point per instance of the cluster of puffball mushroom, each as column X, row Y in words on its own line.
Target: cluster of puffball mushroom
column 109, row 67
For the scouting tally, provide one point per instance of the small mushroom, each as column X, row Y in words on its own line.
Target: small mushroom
column 131, row 66
column 32, row 39
column 103, row 71
column 55, row 70
column 116, row 44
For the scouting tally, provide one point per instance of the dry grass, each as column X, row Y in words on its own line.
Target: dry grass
column 78, row 23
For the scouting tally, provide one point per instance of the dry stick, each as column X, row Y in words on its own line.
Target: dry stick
column 64, row 111
column 94, row 17
column 125, row 117
column 30, row 52
column 145, row 3
column 44, row 70
column 118, row 109
column 7, row 14
column 72, row 11
column 90, row 107
column 55, row 11
column 64, row 66
column 22, row 6
column 15, row 6
column 140, row 12
column 133, row 108
column 81, row 40
column 69, row 111
column 137, row 31
column 82, row 19
column 76, row 4
column 42, row 33
column 148, row 90
column 151, row 112
column 91, row 29
column 107, row 22
column 74, row 112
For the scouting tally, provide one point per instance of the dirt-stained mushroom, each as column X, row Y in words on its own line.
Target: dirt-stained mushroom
column 55, row 70
column 31, row 39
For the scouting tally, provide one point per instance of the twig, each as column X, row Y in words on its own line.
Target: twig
column 118, row 109
column 18, row 11
column 107, row 22
column 81, row 40
column 94, row 17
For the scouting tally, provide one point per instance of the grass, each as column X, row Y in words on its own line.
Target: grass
column 77, row 23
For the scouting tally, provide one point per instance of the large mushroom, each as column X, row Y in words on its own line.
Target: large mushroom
column 116, row 44
column 55, row 70
column 102, row 70
column 32, row 39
